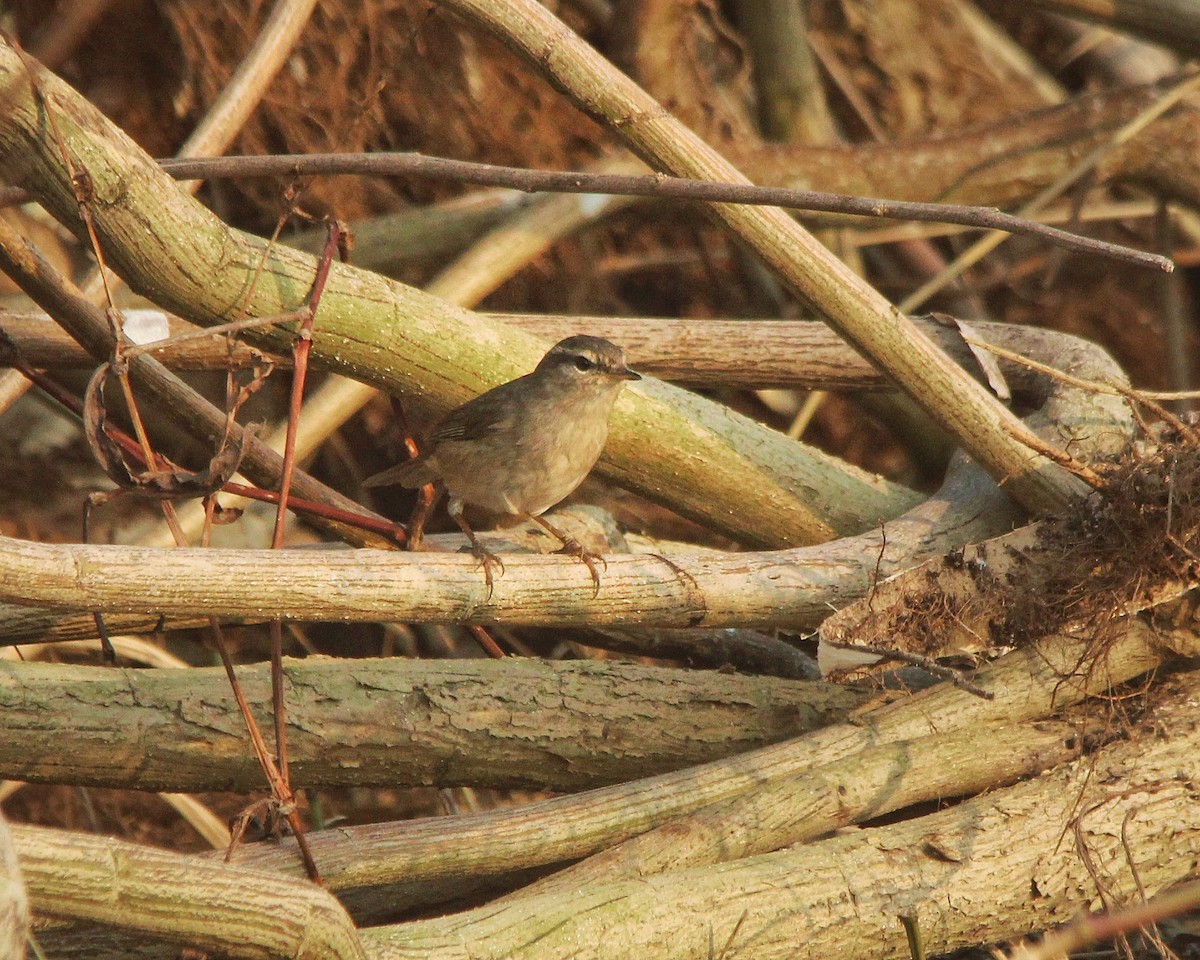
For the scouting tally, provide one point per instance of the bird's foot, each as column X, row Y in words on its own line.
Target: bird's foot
column 482, row 553
column 487, row 560
column 574, row 548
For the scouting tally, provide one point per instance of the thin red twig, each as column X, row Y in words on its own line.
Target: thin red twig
column 301, row 349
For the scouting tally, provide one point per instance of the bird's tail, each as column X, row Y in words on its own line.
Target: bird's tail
column 412, row 473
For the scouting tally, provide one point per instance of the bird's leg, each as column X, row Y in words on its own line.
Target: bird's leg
column 427, row 498
column 574, row 548
column 482, row 553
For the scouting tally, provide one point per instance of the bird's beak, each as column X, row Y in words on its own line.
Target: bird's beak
column 624, row 373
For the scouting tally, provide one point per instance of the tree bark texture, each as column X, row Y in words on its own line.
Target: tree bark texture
column 513, row 723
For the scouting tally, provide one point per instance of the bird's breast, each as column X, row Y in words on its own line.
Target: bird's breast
column 557, row 463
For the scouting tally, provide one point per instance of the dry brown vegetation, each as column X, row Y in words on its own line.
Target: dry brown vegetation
column 697, row 761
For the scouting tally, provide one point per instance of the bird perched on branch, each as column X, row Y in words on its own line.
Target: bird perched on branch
column 525, row 445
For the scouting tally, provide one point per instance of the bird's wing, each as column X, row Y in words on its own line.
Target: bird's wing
column 478, row 418
column 485, row 415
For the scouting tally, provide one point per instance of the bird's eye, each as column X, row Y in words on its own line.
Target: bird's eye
column 583, row 364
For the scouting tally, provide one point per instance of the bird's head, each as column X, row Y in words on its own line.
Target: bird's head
column 584, row 359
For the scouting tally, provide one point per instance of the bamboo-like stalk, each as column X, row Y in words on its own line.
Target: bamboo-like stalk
column 963, row 874
column 865, row 786
column 794, row 588
column 378, row 866
column 797, row 587
column 221, row 908
column 765, row 589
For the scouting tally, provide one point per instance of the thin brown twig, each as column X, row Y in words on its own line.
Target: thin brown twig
column 391, row 530
column 1096, row 385
column 289, row 196
column 1083, row 169
column 142, row 449
column 656, row 186
column 280, row 790
column 82, row 186
column 1146, row 398
column 1061, row 457
column 301, row 349
column 1101, row 927
column 1176, row 423
column 487, row 641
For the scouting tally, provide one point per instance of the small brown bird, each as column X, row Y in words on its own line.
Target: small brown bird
column 525, row 445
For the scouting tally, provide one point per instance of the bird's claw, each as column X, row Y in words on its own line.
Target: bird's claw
column 574, row 548
column 487, row 559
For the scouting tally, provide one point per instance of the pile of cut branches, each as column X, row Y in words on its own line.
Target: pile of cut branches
column 891, row 649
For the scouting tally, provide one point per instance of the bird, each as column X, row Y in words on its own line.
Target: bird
column 524, row 446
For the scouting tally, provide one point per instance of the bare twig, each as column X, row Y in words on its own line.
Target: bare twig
column 657, row 186
column 300, row 353
column 281, row 791
column 1147, row 398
